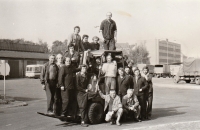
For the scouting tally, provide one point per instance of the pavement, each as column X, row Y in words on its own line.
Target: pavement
column 175, row 107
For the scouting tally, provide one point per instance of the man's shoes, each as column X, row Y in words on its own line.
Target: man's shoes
column 84, row 125
column 49, row 113
column 62, row 115
column 137, row 120
column 148, row 118
column 117, row 123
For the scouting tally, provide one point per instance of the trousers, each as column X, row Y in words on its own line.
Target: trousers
column 109, row 44
column 110, row 83
column 142, row 102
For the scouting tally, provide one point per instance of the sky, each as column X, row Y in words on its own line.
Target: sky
column 137, row 20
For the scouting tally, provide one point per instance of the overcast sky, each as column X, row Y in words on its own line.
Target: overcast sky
column 137, row 20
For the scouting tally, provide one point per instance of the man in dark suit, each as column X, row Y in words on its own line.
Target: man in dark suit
column 124, row 82
column 149, row 91
column 140, row 86
column 66, row 82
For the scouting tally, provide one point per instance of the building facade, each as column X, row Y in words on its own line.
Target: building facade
column 163, row 51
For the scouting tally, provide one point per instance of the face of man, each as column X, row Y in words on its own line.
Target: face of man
column 129, row 94
column 83, row 69
column 98, row 61
column 127, row 70
column 137, row 73
column 60, row 59
column 109, row 58
column 52, row 59
column 85, row 39
column 121, row 73
column 71, row 49
column 95, row 40
column 108, row 16
column 145, row 71
column 67, row 61
column 130, row 64
column 112, row 94
column 76, row 30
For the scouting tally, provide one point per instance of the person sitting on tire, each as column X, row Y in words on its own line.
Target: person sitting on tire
column 113, row 102
column 131, row 105
column 83, row 93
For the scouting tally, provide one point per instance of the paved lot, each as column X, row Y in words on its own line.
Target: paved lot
column 175, row 106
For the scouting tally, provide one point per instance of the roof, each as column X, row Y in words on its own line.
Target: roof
column 101, row 52
column 38, row 65
column 23, row 55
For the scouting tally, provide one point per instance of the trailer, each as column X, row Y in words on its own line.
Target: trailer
column 162, row 71
column 189, row 71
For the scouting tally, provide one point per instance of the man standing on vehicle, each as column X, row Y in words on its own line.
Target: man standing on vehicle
column 75, row 39
column 110, row 71
column 95, row 45
column 140, row 86
column 108, row 28
column 49, row 78
column 149, row 92
column 83, row 95
column 114, row 105
column 67, row 85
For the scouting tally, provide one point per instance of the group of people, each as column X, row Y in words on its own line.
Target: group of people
column 65, row 79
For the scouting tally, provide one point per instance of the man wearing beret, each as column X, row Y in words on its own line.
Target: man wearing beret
column 108, row 28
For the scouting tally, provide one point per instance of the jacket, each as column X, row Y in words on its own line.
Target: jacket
column 66, row 76
column 148, row 77
column 82, row 82
column 76, row 40
column 76, row 56
column 126, row 102
column 123, row 84
column 116, row 102
column 44, row 73
column 141, row 84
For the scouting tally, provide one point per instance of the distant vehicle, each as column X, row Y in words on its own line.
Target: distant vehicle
column 189, row 71
column 162, row 71
column 151, row 67
column 33, row 71
column 174, row 70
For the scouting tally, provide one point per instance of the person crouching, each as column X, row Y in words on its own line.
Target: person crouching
column 113, row 102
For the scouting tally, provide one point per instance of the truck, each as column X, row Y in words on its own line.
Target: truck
column 151, row 67
column 162, row 71
column 189, row 71
column 174, row 70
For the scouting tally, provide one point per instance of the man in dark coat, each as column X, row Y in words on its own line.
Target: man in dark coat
column 82, row 80
column 67, row 86
column 85, row 42
column 73, row 55
column 124, row 82
column 140, row 86
column 49, row 79
column 149, row 92
column 95, row 45
column 108, row 28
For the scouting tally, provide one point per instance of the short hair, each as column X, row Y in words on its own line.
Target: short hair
column 136, row 69
column 122, row 69
column 130, row 90
column 145, row 67
column 52, row 55
column 70, row 45
column 83, row 66
column 58, row 55
column 109, row 13
column 85, row 36
column 126, row 67
column 95, row 37
column 77, row 27
column 109, row 55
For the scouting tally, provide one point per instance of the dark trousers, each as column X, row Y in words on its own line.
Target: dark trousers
column 50, row 92
column 142, row 102
column 58, row 102
column 149, row 104
column 109, row 44
column 68, row 101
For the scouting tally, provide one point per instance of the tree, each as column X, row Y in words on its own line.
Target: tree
column 59, row 47
column 139, row 54
column 44, row 45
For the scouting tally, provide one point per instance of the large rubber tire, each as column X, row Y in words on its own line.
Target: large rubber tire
column 197, row 81
column 95, row 113
column 187, row 81
column 158, row 76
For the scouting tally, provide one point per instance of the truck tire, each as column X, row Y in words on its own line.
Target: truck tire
column 158, row 76
column 176, row 79
column 187, row 81
column 197, row 81
column 95, row 113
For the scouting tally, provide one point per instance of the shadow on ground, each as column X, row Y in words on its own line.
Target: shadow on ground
column 67, row 124
column 25, row 99
column 164, row 112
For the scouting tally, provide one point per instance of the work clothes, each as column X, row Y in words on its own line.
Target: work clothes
column 75, row 39
column 95, row 46
column 75, row 58
column 123, row 84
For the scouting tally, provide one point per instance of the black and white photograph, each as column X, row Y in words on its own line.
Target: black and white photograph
column 99, row 64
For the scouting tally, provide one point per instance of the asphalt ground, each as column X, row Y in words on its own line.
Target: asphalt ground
column 175, row 107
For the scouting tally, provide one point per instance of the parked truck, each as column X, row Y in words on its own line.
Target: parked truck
column 174, row 70
column 189, row 71
column 162, row 71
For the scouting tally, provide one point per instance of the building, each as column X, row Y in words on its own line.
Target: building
column 20, row 55
column 163, row 51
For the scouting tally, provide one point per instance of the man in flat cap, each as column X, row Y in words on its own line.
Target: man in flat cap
column 108, row 28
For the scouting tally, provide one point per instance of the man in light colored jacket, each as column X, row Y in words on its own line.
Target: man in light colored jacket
column 113, row 102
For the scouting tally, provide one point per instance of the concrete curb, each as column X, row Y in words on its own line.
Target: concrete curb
column 14, row 104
